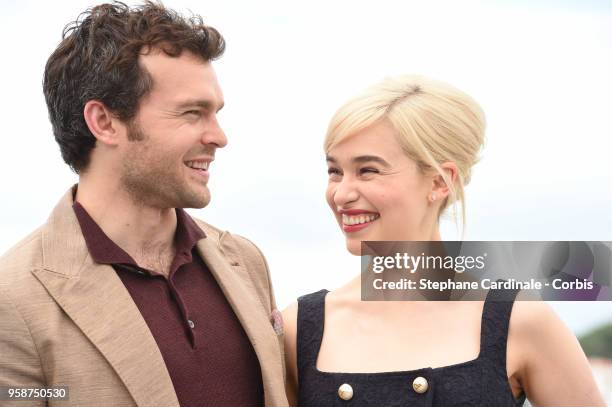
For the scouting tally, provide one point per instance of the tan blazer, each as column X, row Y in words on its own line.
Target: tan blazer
column 65, row 320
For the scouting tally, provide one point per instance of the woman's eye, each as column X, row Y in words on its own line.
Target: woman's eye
column 368, row 170
column 333, row 171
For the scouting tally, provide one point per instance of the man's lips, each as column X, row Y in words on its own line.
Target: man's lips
column 200, row 168
column 199, row 162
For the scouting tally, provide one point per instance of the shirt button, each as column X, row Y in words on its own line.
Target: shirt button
column 420, row 385
column 345, row 392
column 191, row 324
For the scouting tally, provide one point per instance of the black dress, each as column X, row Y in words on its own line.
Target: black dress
column 479, row 382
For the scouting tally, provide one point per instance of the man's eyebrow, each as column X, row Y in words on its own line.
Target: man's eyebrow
column 361, row 159
column 204, row 104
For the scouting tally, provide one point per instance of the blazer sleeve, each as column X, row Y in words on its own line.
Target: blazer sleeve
column 19, row 361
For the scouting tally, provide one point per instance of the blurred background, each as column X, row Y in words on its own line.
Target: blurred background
column 540, row 70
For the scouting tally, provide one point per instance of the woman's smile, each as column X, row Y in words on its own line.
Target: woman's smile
column 354, row 220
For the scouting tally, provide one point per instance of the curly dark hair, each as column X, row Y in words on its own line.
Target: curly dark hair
column 98, row 60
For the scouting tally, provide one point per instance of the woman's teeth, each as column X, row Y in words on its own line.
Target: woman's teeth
column 358, row 219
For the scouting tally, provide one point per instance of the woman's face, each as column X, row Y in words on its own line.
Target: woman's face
column 376, row 192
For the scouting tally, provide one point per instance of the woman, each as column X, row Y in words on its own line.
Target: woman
column 398, row 156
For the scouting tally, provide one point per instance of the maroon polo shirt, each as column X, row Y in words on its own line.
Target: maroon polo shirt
column 207, row 353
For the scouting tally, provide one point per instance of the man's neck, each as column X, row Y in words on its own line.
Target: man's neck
column 144, row 232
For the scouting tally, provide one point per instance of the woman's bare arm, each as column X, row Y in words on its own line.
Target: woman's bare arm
column 554, row 370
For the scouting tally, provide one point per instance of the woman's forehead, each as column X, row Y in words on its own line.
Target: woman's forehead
column 379, row 140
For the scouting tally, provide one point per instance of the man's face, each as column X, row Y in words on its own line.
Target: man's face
column 175, row 133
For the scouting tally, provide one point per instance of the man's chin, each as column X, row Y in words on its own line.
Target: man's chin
column 197, row 201
column 199, row 205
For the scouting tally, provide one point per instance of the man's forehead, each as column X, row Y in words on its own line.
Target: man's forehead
column 158, row 63
column 183, row 78
column 158, row 54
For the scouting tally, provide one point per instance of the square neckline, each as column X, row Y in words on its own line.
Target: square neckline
column 486, row 358
column 475, row 360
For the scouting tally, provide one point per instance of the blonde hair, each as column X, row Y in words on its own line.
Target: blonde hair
column 435, row 123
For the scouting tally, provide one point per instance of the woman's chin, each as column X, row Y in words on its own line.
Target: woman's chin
column 354, row 247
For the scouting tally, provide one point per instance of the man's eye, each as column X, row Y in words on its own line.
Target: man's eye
column 192, row 112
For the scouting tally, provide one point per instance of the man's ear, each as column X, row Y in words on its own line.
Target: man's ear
column 105, row 127
column 440, row 189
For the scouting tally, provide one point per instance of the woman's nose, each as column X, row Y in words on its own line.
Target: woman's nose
column 346, row 192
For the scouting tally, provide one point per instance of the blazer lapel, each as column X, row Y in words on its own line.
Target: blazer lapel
column 240, row 293
column 94, row 297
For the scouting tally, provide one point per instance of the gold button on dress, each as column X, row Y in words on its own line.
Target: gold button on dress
column 345, row 392
column 420, row 385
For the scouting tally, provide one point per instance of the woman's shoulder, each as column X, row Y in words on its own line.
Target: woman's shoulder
column 313, row 297
column 341, row 297
column 533, row 319
column 552, row 363
column 536, row 335
column 290, row 314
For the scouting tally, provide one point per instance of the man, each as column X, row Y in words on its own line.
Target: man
column 121, row 296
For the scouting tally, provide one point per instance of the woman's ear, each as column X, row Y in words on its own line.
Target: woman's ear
column 440, row 189
column 105, row 127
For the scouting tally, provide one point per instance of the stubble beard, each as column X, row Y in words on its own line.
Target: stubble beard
column 151, row 178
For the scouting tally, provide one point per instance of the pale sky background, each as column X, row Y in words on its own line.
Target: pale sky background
column 540, row 70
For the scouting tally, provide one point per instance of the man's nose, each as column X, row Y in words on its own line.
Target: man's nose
column 214, row 134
